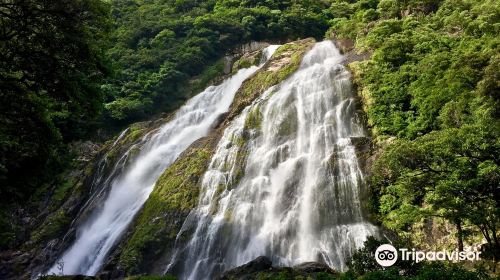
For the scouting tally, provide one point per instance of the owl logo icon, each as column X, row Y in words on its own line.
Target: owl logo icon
column 386, row 255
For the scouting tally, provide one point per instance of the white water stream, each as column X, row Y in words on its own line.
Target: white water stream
column 131, row 188
column 284, row 181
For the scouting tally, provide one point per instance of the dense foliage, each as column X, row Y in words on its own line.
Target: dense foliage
column 51, row 66
column 159, row 45
column 433, row 89
column 362, row 265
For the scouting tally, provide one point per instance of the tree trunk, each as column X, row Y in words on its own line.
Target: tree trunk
column 460, row 234
column 495, row 247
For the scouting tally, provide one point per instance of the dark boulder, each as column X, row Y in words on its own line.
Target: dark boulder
column 313, row 267
column 248, row 270
column 261, row 268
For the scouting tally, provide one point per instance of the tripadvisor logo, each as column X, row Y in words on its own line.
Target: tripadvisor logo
column 386, row 255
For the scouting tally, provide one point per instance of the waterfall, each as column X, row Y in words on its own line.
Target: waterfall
column 131, row 187
column 284, row 180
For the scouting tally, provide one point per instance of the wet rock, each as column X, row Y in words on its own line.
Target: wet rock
column 228, row 64
column 248, row 270
column 313, row 267
column 218, row 121
column 361, row 144
column 261, row 268
column 344, row 45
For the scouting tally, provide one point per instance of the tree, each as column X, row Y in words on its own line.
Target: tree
column 453, row 173
column 50, row 69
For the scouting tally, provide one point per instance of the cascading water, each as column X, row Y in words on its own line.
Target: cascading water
column 130, row 189
column 284, row 180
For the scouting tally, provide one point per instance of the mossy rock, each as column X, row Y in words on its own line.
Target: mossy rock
column 253, row 119
column 53, row 226
column 357, row 69
column 247, row 60
column 174, row 196
column 282, row 64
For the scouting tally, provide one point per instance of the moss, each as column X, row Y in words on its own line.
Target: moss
column 253, row 119
column 62, row 191
column 135, row 132
column 174, row 195
column 238, row 141
column 246, row 61
column 284, row 62
column 53, row 226
column 357, row 69
column 243, row 62
column 115, row 148
column 220, row 189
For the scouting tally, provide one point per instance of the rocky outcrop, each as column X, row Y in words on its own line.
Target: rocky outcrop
column 262, row 268
column 239, row 56
column 249, row 270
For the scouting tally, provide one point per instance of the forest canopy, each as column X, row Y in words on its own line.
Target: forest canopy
column 158, row 45
column 52, row 64
column 431, row 90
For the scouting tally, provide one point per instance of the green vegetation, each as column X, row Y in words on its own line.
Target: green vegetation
column 52, row 226
column 51, row 68
column 362, row 265
column 431, row 92
column 174, row 195
column 285, row 61
column 160, row 45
